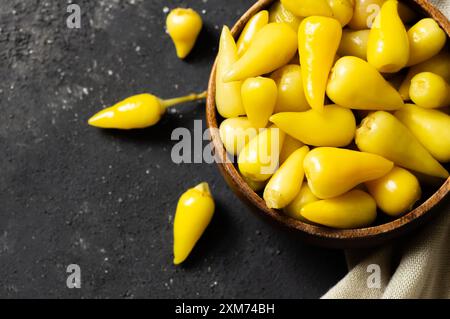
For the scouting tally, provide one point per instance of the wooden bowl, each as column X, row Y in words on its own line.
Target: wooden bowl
column 319, row 235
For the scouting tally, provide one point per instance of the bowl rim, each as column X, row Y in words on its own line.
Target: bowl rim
column 319, row 234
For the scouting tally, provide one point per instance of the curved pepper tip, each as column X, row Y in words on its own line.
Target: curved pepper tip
column 100, row 119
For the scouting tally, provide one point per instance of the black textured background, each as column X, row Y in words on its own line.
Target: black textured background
column 105, row 200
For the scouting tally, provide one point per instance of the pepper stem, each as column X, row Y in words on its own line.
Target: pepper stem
column 183, row 99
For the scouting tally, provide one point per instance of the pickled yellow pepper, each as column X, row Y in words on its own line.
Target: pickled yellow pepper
column 259, row 96
column 383, row 134
column 396, row 192
column 194, row 212
column 271, row 48
column 318, row 41
column 183, row 26
column 291, row 94
column 426, row 39
column 228, row 95
column 259, row 159
column 256, row 23
column 334, row 171
column 285, row 184
column 354, row 209
column 388, row 45
column 334, row 126
column 356, row 84
column 430, row 127
column 138, row 111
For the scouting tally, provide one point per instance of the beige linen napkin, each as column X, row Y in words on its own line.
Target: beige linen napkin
column 418, row 268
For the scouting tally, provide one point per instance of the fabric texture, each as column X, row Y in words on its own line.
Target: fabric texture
column 418, row 267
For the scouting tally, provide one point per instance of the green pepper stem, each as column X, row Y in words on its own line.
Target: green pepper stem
column 183, row 99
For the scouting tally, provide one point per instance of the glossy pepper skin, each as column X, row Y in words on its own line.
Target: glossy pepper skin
column 306, row 8
column 291, row 94
column 354, row 43
column 235, row 133
column 318, row 41
column 228, row 95
column 354, row 209
column 388, row 45
column 195, row 210
column 334, row 126
column 183, row 26
column 256, row 23
column 334, row 171
column 138, row 111
column 439, row 64
column 396, row 192
column 430, row 127
column 259, row 159
column 342, row 10
column 366, row 11
column 383, row 134
column 304, row 197
column 426, row 39
column 285, row 184
column 259, row 96
column 290, row 145
column 272, row 47
column 429, row 90
column 356, row 84
column 278, row 13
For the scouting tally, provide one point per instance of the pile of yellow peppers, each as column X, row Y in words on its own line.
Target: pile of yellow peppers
column 348, row 106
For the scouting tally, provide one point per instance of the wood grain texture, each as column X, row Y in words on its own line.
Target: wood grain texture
column 319, row 235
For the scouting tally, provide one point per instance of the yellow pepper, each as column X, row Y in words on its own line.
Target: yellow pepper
column 388, row 45
column 291, row 94
column 426, row 39
column 429, row 90
column 183, row 26
column 194, row 212
column 356, row 84
column 255, row 185
column 334, row 171
column 430, row 127
column 439, row 64
column 259, row 159
column 259, row 96
column 285, row 184
column 278, row 13
column 304, row 197
column 366, row 11
column 272, row 47
column 290, row 145
column 334, row 126
column 235, row 133
column 354, row 43
column 354, row 209
column 318, row 41
column 138, row 111
column 252, row 27
column 342, row 10
column 306, row 8
column 383, row 134
column 228, row 95
column 396, row 192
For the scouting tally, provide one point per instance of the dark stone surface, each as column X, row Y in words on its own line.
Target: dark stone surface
column 105, row 200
